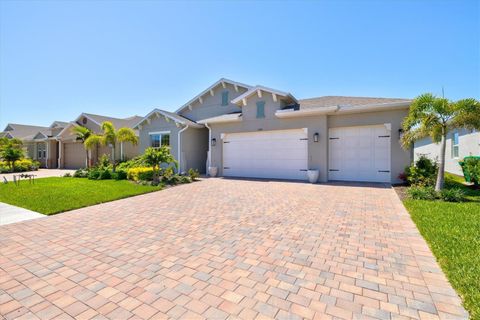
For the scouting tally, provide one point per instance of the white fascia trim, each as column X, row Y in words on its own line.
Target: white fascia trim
column 234, row 83
column 89, row 118
column 221, row 120
column 159, row 132
column 288, row 113
column 375, row 107
column 71, row 124
column 262, row 88
column 158, row 111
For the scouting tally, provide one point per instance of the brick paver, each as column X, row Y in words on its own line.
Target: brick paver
column 227, row 248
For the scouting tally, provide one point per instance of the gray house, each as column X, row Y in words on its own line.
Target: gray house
column 259, row 132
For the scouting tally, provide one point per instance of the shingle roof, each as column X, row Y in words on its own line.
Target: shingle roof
column 328, row 101
column 24, row 131
column 117, row 122
column 223, row 118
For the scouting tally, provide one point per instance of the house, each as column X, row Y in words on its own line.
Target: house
column 57, row 147
column 72, row 154
column 460, row 143
column 260, row 132
column 40, row 142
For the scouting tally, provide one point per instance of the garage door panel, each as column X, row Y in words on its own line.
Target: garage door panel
column 74, row 155
column 278, row 154
column 359, row 154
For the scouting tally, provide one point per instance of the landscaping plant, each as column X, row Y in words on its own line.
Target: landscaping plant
column 82, row 134
column 111, row 136
column 471, row 168
column 156, row 157
column 436, row 117
column 11, row 151
column 421, row 193
column 193, row 174
column 422, row 172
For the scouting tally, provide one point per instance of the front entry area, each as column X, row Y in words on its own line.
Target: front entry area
column 277, row 154
column 359, row 153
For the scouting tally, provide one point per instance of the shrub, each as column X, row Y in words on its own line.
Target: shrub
column 184, row 179
column 194, row 174
column 119, row 175
column 422, row 173
column 24, row 164
column 81, row 173
column 471, row 169
column 452, row 195
column 140, row 174
column 136, row 162
column 67, row 175
column 93, row 174
column 105, row 175
column 104, row 162
column 421, row 193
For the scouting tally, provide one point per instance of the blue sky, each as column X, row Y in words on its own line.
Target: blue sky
column 58, row 59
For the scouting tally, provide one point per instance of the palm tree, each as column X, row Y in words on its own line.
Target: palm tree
column 155, row 157
column 83, row 134
column 436, row 117
column 111, row 136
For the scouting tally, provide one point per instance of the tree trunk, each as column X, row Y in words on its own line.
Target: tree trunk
column 441, row 164
column 113, row 157
column 87, row 159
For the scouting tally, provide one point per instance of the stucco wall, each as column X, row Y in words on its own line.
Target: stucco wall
column 156, row 125
column 469, row 144
column 212, row 106
column 317, row 152
column 194, row 147
column 400, row 158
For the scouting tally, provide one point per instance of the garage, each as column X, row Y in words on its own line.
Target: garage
column 277, row 154
column 359, row 153
column 74, row 155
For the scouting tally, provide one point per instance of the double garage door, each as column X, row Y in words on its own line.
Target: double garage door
column 355, row 154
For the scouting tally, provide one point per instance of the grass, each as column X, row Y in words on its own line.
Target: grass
column 54, row 195
column 453, row 233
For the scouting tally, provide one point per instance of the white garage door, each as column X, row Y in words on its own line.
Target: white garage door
column 279, row 154
column 359, row 154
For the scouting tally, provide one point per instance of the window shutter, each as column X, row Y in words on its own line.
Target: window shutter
column 261, row 109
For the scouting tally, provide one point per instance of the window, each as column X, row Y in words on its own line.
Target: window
column 158, row 139
column 455, row 145
column 41, row 151
column 261, row 109
column 225, row 98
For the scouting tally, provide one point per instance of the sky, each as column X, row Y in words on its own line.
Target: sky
column 120, row 58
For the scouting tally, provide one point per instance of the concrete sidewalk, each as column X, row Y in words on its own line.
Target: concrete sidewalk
column 11, row 214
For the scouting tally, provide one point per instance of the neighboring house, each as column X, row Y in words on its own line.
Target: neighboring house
column 72, row 154
column 460, row 143
column 40, row 142
column 259, row 132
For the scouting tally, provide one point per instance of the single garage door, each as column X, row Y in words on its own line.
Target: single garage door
column 359, row 154
column 278, row 154
column 74, row 154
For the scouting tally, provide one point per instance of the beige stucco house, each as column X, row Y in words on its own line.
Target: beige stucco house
column 260, row 132
column 460, row 143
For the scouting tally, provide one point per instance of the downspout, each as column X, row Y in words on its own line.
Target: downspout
column 209, row 155
column 180, row 149
column 59, row 153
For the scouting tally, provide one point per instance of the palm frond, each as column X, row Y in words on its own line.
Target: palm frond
column 127, row 135
column 92, row 141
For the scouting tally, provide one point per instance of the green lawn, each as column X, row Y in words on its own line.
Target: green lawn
column 453, row 233
column 54, row 195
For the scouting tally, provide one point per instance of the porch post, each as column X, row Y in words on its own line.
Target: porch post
column 48, row 153
column 59, row 164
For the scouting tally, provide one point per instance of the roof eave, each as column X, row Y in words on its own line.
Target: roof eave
column 227, row 120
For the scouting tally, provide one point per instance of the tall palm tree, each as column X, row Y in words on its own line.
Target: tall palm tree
column 82, row 133
column 436, row 117
column 111, row 137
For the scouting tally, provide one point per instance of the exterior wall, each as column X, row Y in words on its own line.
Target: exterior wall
column 399, row 157
column 158, row 125
column 212, row 106
column 52, row 155
column 317, row 155
column 468, row 142
column 317, row 152
column 194, row 149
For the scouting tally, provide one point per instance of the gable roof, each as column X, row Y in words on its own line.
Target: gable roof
column 170, row 115
column 217, row 83
column 117, row 122
column 59, row 124
column 345, row 101
column 24, row 131
column 257, row 88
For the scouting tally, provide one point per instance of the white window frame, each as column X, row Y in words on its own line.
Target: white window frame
column 457, row 146
column 159, row 133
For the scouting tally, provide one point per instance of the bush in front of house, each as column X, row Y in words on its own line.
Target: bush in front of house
column 21, row 165
column 137, row 162
column 140, row 174
column 193, row 174
column 422, row 173
column 81, row 173
column 421, row 193
column 452, row 195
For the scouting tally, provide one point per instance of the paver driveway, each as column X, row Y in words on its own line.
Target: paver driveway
column 221, row 248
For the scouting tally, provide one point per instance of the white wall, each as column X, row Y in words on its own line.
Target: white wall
column 469, row 145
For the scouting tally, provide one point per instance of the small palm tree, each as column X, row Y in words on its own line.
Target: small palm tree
column 83, row 134
column 11, row 151
column 111, row 136
column 155, row 157
column 436, row 117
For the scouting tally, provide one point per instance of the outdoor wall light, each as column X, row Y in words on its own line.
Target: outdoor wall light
column 400, row 133
column 315, row 137
column 214, row 142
